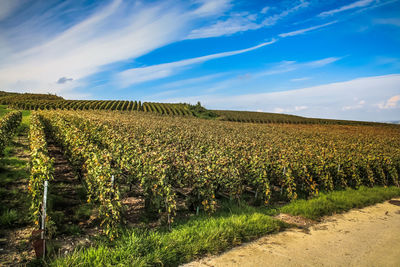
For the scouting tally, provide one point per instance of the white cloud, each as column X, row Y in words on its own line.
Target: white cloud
column 143, row 74
column 390, row 103
column 361, row 3
column 324, row 101
column 300, row 79
column 260, row 76
column 358, row 105
column 279, row 110
column 302, row 31
column 272, row 20
column 287, row 66
column 109, row 35
column 388, row 21
column 230, row 26
column 322, row 62
column 265, row 10
column 240, row 22
column 298, row 108
column 211, row 7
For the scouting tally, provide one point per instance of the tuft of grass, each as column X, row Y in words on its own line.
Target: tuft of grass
column 189, row 239
column 339, row 201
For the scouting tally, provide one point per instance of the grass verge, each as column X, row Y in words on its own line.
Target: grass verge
column 188, row 240
column 202, row 235
column 339, row 201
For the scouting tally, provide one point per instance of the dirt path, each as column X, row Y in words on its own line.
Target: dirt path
column 363, row 237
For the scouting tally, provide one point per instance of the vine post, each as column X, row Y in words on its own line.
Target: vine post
column 44, row 216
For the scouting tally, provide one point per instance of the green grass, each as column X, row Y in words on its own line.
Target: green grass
column 189, row 239
column 204, row 235
column 339, row 201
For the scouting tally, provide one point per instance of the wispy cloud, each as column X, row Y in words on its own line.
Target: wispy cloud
column 302, row 31
column 272, row 20
column 358, row 105
column 144, row 74
column 236, row 23
column 265, row 10
column 322, row 62
column 357, row 4
column 230, row 80
column 388, row 21
column 110, row 34
column 300, row 79
column 210, row 7
column 287, row 66
column 390, row 103
column 244, row 21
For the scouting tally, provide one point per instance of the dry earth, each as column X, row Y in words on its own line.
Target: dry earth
column 362, row 237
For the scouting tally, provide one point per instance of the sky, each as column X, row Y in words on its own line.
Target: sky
column 313, row 58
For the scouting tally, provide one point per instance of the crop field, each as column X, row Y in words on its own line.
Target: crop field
column 199, row 161
column 134, row 168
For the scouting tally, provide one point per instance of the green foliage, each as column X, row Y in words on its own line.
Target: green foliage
column 201, row 112
column 201, row 161
column 41, row 165
column 8, row 126
column 340, row 201
column 96, row 166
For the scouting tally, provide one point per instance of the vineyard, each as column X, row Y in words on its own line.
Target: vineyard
column 8, row 125
column 171, row 160
column 168, row 167
column 264, row 117
column 53, row 102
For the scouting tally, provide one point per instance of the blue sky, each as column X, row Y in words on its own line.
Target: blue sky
column 331, row 59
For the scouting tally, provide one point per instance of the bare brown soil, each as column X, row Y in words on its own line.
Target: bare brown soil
column 362, row 237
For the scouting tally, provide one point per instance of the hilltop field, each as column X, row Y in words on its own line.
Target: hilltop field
column 144, row 184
